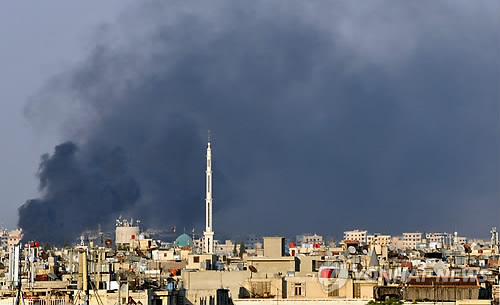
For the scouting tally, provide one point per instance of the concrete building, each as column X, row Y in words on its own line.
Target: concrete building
column 15, row 237
column 357, row 235
column 310, row 239
column 442, row 238
column 379, row 239
column 411, row 240
column 126, row 232
column 227, row 248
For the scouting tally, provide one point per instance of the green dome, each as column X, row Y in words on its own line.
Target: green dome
column 184, row 241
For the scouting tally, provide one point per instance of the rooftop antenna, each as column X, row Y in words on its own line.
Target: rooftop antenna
column 209, row 135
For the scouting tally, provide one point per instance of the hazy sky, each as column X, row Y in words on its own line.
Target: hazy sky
column 326, row 116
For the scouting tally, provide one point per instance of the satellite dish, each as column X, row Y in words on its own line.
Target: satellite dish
column 460, row 248
column 252, row 269
column 351, row 250
column 365, row 252
column 476, row 247
column 391, row 248
column 329, row 253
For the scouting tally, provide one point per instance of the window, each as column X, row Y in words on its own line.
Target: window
column 196, row 259
column 298, row 289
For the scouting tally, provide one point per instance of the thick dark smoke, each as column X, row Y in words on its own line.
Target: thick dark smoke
column 325, row 117
column 80, row 190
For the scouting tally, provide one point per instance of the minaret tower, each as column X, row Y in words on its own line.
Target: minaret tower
column 208, row 242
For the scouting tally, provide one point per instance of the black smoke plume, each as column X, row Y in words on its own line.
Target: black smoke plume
column 325, row 117
column 78, row 192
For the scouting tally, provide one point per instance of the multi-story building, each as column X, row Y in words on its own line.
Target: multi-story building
column 379, row 239
column 411, row 240
column 357, row 235
column 443, row 238
column 15, row 237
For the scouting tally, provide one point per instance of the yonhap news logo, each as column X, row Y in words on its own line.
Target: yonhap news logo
column 332, row 276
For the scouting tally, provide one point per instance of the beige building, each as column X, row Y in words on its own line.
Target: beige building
column 15, row 237
column 397, row 242
column 379, row 239
column 411, row 240
column 357, row 235
column 310, row 239
column 125, row 235
column 202, row 262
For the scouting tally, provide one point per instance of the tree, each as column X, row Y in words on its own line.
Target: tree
column 242, row 249
column 235, row 250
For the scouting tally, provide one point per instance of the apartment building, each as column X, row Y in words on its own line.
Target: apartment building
column 411, row 240
column 379, row 239
column 358, row 235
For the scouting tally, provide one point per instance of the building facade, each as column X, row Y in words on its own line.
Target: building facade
column 411, row 240
column 358, row 235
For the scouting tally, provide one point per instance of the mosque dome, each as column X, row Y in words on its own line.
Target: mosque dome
column 184, row 240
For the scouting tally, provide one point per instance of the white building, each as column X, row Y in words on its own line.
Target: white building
column 357, row 235
column 126, row 232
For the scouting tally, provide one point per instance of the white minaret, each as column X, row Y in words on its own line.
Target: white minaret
column 208, row 241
